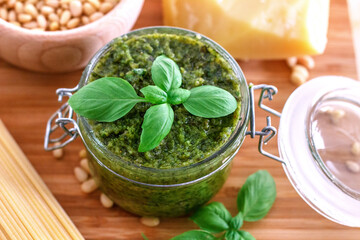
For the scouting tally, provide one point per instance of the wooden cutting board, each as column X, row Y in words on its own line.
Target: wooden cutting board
column 28, row 99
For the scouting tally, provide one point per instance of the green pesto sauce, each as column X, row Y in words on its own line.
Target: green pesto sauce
column 191, row 138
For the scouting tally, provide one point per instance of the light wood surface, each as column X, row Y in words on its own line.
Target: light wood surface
column 64, row 51
column 28, row 99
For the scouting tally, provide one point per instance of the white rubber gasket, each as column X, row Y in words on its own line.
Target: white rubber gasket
column 300, row 167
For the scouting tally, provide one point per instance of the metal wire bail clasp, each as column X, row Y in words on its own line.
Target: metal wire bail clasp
column 268, row 132
column 60, row 120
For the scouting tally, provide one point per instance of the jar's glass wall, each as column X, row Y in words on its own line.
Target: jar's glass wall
column 164, row 192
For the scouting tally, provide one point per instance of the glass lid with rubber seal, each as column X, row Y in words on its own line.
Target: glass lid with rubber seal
column 319, row 143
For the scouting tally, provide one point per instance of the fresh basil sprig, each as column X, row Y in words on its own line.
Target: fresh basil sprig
column 108, row 99
column 254, row 201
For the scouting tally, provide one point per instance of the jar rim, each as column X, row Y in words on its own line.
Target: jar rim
column 239, row 130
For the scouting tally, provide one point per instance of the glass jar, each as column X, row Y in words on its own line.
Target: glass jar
column 163, row 192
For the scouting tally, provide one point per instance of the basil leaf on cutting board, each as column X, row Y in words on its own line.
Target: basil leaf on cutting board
column 195, row 235
column 257, row 196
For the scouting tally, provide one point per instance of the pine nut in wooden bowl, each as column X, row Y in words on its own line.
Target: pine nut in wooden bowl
column 67, row 32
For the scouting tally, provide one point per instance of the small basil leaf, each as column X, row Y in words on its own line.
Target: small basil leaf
column 236, row 222
column 257, row 196
column 195, row 235
column 213, row 218
column 165, row 73
column 144, row 236
column 232, row 235
column 106, row 99
column 246, row 235
column 154, row 94
column 178, row 95
column 210, row 102
column 157, row 124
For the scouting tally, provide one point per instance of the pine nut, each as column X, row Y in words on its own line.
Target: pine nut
column 54, row 26
column 11, row 3
column 24, row 18
column 89, row 186
column 355, row 148
column 75, row 8
column 3, row 14
column 80, row 174
column 46, row 10
column 84, row 163
column 297, row 78
column 52, row 3
column 291, row 61
column 39, row 5
column 105, row 7
column 30, row 9
column 89, row 9
column 85, row 20
column 53, row 17
column 307, row 61
column 352, row 166
column 41, row 20
column 94, row 3
column 82, row 153
column 106, row 201
column 336, row 115
column 65, row 17
column 150, row 221
column 19, row 7
column 73, row 23
column 16, row 24
column 96, row 16
column 302, row 70
column 57, row 153
column 12, row 16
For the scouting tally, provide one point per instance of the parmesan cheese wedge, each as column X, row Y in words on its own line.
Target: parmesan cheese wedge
column 255, row 29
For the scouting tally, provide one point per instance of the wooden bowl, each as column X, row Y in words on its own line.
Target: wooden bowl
column 69, row 50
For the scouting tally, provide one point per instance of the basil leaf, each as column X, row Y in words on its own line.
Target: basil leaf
column 165, row 73
column 178, row 96
column 157, row 124
column 257, row 196
column 246, row 235
column 195, row 235
column 236, row 222
column 213, row 217
column 106, row 99
column 232, row 235
column 154, row 94
column 210, row 102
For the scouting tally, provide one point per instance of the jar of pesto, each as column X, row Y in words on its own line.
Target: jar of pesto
column 192, row 163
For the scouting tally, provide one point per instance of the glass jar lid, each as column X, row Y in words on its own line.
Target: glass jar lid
column 319, row 141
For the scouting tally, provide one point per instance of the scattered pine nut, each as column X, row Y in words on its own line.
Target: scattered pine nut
column 352, row 166
column 89, row 186
column 84, row 163
column 355, row 148
column 80, row 174
column 307, row 61
column 291, row 61
column 297, row 78
column 150, row 221
column 82, row 153
column 302, row 70
column 58, row 153
column 106, row 201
